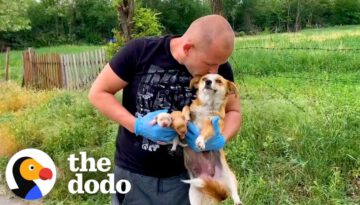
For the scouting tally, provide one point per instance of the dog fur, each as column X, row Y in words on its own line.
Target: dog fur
column 211, row 179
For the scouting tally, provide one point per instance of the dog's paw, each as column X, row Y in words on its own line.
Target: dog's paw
column 238, row 202
column 200, row 142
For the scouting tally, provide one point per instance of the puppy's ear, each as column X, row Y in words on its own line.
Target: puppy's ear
column 231, row 88
column 194, row 83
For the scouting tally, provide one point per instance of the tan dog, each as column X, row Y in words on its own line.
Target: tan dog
column 211, row 179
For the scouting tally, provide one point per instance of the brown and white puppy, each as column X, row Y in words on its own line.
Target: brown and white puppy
column 211, row 179
column 176, row 121
column 179, row 123
column 162, row 119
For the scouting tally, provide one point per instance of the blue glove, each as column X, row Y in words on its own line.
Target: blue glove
column 155, row 132
column 216, row 142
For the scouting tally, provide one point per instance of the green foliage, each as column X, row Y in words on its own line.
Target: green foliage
column 113, row 47
column 64, row 22
column 176, row 15
column 346, row 12
column 253, row 16
column 13, row 15
column 145, row 23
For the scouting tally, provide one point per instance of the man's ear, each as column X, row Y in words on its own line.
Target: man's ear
column 231, row 88
column 187, row 47
column 194, row 83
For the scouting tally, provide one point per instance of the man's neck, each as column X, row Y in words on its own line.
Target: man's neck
column 175, row 46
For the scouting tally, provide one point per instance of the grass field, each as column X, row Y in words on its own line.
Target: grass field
column 300, row 138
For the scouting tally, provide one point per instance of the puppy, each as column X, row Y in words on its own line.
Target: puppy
column 162, row 119
column 179, row 123
column 176, row 121
column 211, row 179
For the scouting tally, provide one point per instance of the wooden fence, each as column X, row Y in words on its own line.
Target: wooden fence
column 69, row 71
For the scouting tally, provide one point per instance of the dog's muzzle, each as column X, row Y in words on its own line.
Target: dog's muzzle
column 208, row 84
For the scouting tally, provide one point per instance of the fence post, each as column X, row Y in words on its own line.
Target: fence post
column 7, row 63
column 32, row 72
column 64, row 73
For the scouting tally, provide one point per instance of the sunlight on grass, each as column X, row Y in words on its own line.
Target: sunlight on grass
column 15, row 98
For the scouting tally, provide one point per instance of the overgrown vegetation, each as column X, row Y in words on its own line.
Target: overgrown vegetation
column 299, row 142
column 49, row 22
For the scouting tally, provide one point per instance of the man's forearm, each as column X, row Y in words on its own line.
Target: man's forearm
column 108, row 105
column 232, row 124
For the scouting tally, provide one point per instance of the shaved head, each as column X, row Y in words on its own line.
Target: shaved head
column 211, row 30
column 206, row 44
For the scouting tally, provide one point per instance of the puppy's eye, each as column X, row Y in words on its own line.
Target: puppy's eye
column 204, row 79
column 218, row 81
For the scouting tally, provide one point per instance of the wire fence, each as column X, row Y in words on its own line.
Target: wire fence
column 261, row 75
column 300, row 48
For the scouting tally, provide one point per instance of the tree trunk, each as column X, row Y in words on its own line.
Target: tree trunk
column 288, row 18
column 216, row 6
column 125, row 15
column 298, row 18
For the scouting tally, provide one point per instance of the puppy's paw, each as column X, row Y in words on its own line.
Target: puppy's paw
column 152, row 122
column 173, row 148
column 200, row 142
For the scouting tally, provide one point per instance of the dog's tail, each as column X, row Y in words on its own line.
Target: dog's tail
column 210, row 187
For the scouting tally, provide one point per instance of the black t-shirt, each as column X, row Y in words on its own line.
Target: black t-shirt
column 155, row 81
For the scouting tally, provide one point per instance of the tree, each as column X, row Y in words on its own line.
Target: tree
column 13, row 15
column 346, row 12
column 125, row 10
column 176, row 15
column 216, row 6
column 145, row 23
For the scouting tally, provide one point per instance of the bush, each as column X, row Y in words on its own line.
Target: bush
column 146, row 23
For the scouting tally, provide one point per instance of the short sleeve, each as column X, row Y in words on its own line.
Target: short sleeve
column 124, row 62
column 226, row 71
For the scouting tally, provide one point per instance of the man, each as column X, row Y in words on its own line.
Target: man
column 154, row 74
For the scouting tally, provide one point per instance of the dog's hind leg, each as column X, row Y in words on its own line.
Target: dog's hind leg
column 232, row 186
column 195, row 196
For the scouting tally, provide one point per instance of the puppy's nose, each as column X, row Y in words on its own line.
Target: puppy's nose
column 208, row 82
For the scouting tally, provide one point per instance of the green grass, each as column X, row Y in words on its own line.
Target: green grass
column 16, row 62
column 287, row 155
column 299, row 142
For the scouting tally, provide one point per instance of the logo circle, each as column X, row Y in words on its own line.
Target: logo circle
column 30, row 174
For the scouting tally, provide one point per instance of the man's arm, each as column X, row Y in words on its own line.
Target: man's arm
column 232, row 117
column 101, row 96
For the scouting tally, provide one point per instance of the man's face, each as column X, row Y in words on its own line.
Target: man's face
column 205, row 62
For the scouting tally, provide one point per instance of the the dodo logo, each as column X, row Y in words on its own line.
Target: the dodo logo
column 31, row 174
